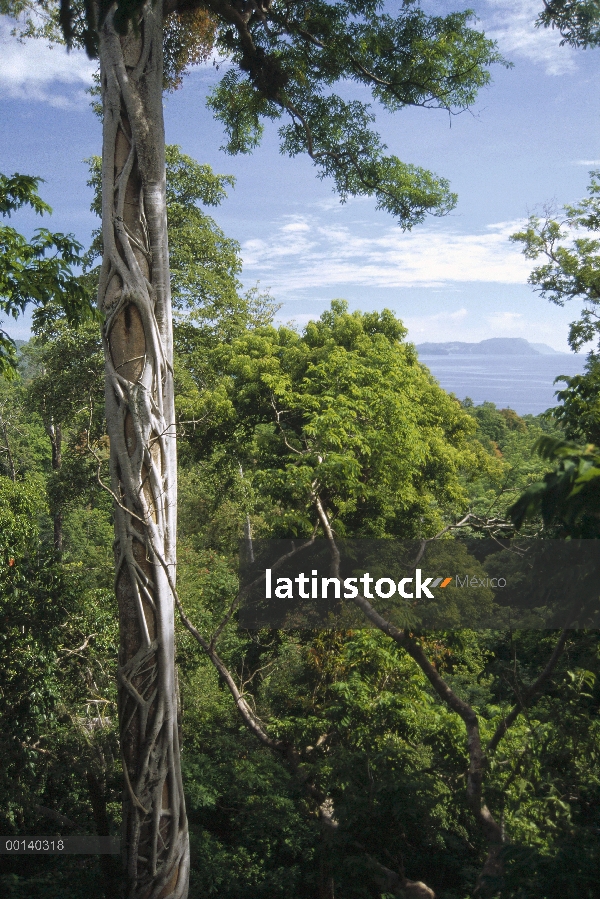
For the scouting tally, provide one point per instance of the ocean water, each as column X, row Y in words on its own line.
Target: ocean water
column 523, row 383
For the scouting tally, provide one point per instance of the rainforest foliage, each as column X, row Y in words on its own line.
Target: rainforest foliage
column 355, row 736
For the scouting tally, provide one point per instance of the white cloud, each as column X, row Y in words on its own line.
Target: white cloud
column 512, row 24
column 508, row 324
column 587, row 162
column 302, row 253
column 438, row 327
column 34, row 71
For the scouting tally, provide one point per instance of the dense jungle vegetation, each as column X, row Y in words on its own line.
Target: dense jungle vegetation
column 359, row 770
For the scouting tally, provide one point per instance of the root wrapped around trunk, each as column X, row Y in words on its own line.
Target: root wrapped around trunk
column 134, row 297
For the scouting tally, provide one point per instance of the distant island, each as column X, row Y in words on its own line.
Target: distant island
column 495, row 346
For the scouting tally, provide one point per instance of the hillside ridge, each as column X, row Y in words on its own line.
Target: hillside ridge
column 493, row 346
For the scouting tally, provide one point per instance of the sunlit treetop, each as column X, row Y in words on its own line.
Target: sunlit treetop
column 294, row 62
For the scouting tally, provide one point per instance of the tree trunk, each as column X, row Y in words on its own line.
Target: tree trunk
column 489, row 827
column 110, row 872
column 9, row 456
column 134, row 297
column 55, row 436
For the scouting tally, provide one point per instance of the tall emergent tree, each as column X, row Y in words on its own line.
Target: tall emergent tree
column 286, row 59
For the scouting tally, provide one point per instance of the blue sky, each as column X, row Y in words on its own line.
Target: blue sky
column 530, row 139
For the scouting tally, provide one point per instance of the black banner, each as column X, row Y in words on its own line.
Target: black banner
column 421, row 585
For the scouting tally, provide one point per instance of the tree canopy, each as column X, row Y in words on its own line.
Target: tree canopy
column 344, row 410
column 571, row 270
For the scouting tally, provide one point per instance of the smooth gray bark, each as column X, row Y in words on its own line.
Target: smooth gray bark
column 134, row 297
column 6, row 448
column 54, row 432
